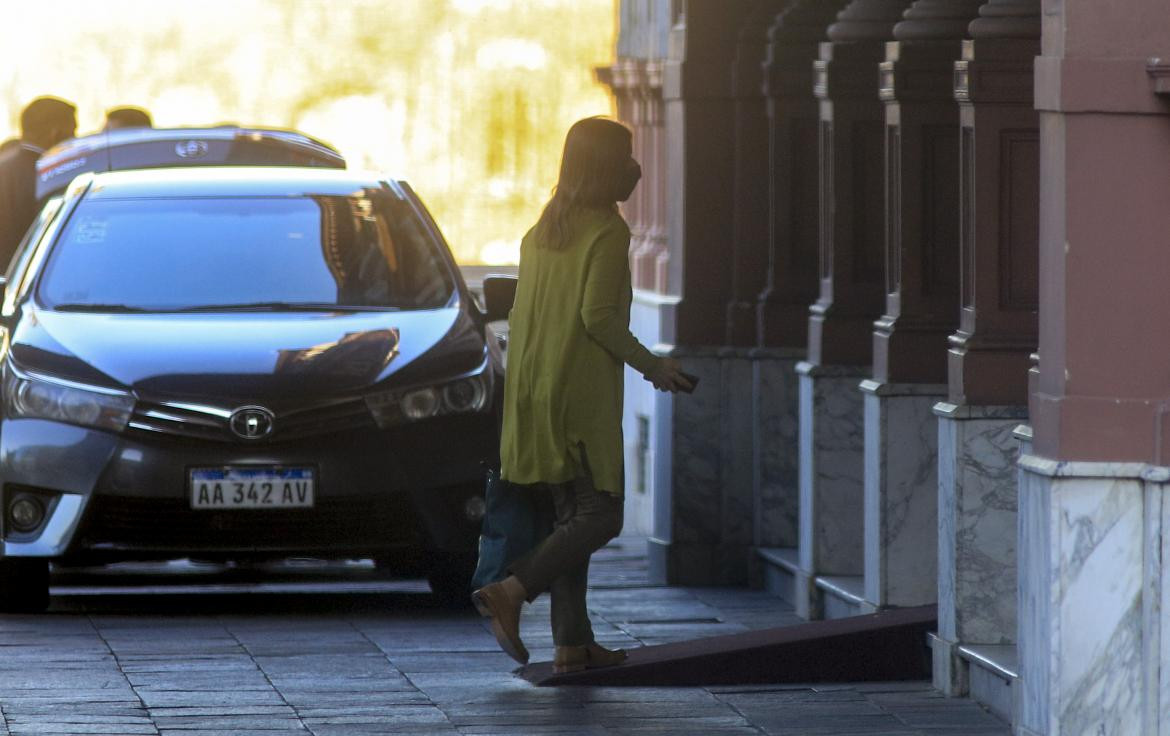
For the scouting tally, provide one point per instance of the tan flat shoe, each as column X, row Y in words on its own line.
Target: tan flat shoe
column 588, row 657
column 491, row 601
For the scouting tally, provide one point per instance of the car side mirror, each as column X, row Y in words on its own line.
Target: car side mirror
column 499, row 293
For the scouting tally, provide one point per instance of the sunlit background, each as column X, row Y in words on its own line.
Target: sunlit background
column 467, row 99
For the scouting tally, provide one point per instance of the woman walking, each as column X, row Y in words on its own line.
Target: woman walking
column 569, row 338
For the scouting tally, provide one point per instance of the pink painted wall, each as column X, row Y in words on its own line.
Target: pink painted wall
column 1104, row 384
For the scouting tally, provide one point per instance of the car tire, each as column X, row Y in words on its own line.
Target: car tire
column 450, row 579
column 24, row 585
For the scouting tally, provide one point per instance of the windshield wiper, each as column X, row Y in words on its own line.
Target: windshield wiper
column 96, row 307
column 276, row 307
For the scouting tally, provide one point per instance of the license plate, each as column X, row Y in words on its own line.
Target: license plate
column 251, row 488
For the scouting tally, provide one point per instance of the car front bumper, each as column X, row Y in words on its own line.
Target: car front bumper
column 383, row 493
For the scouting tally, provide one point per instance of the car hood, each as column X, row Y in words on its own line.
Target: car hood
column 259, row 356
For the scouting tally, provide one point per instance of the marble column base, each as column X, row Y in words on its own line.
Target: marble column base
column 831, row 477
column 901, row 493
column 775, row 465
column 977, row 452
column 1094, row 598
column 700, row 564
column 704, row 517
column 950, row 674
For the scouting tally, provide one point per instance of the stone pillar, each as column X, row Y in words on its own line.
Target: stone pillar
column 791, row 276
column 646, row 99
column 750, row 187
column 921, row 304
column 988, row 358
column 790, row 270
column 1094, row 585
column 757, row 412
column 637, row 88
column 850, row 297
column 633, row 104
column 636, row 82
column 703, row 526
column 650, row 261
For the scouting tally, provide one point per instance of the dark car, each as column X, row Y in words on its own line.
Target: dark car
column 235, row 363
column 151, row 148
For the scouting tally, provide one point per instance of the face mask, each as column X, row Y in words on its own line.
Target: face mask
column 628, row 181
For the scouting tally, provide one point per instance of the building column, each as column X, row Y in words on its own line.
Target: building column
column 703, row 522
column 752, row 429
column 988, row 357
column 1094, row 528
column 636, row 82
column 921, row 304
column 750, row 221
column 790, row 275
column 650, row 261
column 850, row 120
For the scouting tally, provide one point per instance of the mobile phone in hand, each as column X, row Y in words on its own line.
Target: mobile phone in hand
column 691, row 379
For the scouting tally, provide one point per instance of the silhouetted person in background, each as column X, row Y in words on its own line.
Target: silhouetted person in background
column 128, row 117
column 43, row 124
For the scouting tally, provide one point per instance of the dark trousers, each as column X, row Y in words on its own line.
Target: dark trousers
column 585, row 520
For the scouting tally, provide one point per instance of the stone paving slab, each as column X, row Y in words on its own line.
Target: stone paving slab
column 336, row 650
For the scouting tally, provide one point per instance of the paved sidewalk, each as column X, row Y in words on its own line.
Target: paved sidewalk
column 336, row 651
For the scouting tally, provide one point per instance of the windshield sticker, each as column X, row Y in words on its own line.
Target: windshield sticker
column 90, row 231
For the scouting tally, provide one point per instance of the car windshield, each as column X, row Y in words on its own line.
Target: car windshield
column 369, row 250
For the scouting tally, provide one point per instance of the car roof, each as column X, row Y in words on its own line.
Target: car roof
column 143, row 148
column 231, row 181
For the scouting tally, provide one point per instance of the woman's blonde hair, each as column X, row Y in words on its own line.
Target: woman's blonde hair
column 596, row 155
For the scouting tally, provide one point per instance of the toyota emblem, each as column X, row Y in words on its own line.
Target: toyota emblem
column 252, row 422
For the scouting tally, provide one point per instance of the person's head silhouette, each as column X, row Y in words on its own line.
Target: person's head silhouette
column 47, row 121
column 128, row 117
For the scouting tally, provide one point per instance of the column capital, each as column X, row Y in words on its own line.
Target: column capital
column 792, row 42
column 752, row 43
column 867, row 20
column 1007, row 19
column 928, row 20
column 804, row 21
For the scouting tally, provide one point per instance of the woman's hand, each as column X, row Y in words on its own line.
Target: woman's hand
column 667, row 375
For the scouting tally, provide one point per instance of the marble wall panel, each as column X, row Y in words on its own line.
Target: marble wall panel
column 901, row 493
column 775, row 460
column 977, row 523
column 1034, row 604
column 1098, row 587
column 1156, row 608
column 948, row 443
column 648, row 314
column 736, row 509
column 831, row 469
column 1089, row 628
column 705, row 518
column 696, row 451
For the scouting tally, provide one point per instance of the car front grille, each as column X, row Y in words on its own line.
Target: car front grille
column 179, row 420
column 210, row 423
column 340, row 523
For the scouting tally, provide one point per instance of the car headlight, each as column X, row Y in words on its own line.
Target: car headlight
column 30, row 396
column 461, row 396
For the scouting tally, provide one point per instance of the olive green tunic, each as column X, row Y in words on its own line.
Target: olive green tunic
column 569, row 335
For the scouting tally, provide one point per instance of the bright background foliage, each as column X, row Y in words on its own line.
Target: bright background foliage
column 467, row 99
